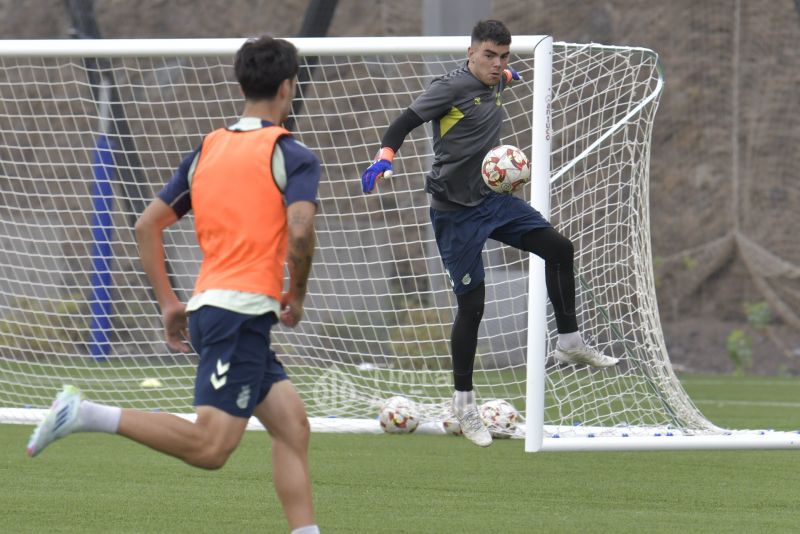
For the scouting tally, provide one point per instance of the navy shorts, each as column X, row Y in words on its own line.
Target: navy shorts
column 461, row 235
column 237, row 366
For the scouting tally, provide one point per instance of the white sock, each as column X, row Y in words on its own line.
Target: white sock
column 308, row 529
column 464, row 399
column 571, row 341
column 95, row 417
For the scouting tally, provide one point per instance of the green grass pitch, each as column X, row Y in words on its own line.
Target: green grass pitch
column 438, row 484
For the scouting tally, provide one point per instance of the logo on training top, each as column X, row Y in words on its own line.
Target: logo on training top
column 220, row 377
column 244, row 397
column 477, row 100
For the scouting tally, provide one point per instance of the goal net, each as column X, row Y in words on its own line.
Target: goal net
column 90, row 132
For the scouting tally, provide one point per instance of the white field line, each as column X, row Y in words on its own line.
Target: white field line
column 749, row 383
column 724, row 402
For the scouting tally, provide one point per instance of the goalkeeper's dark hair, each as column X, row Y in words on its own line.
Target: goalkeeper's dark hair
column 491, row 30
column 262, row 64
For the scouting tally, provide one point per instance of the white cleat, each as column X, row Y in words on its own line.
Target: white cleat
column 586, row 355
column 472, row 425
column 60, row 421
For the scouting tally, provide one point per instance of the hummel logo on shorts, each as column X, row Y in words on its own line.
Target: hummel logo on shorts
column 219, row 378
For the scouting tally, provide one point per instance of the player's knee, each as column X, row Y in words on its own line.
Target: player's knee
column 211, row 450
column 471, row 304
column 562, row 251
column 298, row 426
column 549, row 245
column 303, row 427
column 213, row 456
column 294, row 429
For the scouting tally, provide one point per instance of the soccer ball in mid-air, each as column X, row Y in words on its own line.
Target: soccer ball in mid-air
column 505, row 168
column 399, row 415
column 500, row 418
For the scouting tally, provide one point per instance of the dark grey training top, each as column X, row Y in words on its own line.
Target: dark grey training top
column 466, row 117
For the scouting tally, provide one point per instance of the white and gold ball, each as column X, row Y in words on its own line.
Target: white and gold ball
column 399, row 415
column 500, row 418
column 505, row 169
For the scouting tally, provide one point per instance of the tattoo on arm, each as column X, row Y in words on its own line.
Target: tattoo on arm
column 301, row 251
column 299, row 264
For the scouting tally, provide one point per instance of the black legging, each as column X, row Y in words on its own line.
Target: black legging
column 558, row 253
column 464, row 336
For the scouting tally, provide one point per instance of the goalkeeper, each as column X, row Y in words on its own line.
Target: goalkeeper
column 465, row 109
column 253, row 191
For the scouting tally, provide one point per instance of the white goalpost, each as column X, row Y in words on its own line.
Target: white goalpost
column 90, row 130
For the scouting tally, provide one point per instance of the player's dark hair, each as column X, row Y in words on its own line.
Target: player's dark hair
column 262, row 64
column 491, row 30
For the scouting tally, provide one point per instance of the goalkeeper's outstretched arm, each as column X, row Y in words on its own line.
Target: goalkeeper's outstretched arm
column 399, row 128
column 390, row 144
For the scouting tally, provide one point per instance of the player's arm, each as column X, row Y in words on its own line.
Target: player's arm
column 149, row 236
column 299, row 254
column 390, row 144
column 299, row 171
column 172, row 202
column 433, row 103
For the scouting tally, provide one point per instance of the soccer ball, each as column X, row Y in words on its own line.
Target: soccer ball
column 505, row 168
column 399, row 415
column 500, row 418
column 452, row 426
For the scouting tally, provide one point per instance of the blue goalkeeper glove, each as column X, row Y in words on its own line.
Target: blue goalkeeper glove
column 380, row 168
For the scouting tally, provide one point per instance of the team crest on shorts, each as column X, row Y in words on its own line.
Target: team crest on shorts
column 244, row 397
column 466, row 280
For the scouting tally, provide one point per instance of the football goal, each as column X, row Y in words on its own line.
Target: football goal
column 90, row 131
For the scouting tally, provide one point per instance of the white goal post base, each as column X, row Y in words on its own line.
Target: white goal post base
column 735, row 441
column 589, row 439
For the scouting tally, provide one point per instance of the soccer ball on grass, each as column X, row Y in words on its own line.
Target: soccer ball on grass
column 399, row 415
column 500, row 418
column 452, row 426
column 505, row 169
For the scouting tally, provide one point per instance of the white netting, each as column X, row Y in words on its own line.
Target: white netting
column 604, row 101
column 379, row 309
